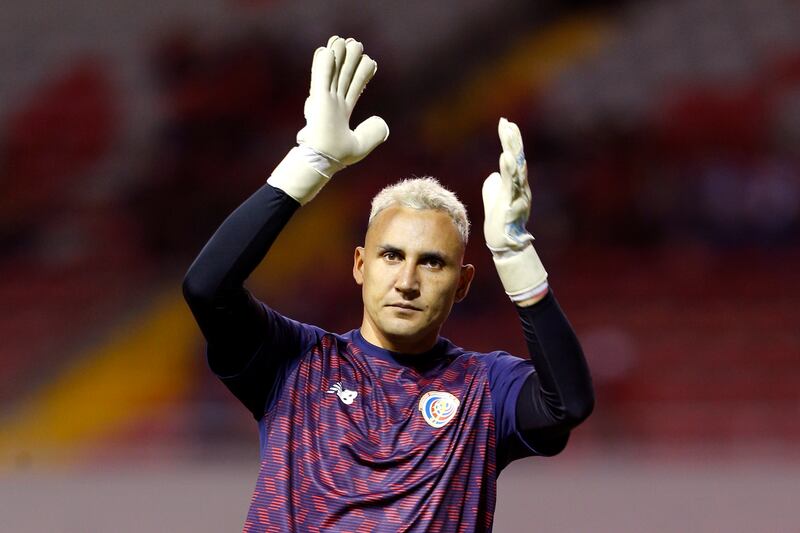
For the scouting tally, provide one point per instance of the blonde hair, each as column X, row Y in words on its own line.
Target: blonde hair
column 423, row 193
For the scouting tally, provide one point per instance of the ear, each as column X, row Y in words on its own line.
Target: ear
column 464, row 281
column 358, row 265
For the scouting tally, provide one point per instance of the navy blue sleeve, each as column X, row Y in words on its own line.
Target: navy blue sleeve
column 507, row 375
column 538, row 401
column 559, row 395
column 249, row 345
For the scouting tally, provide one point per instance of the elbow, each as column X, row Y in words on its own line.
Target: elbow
column 195, row 291
column 578, row 411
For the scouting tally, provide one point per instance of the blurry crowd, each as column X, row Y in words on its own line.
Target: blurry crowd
column 700, row 168
column 714, row 168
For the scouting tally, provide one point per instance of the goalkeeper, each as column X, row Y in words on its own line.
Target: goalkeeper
column 388, row 427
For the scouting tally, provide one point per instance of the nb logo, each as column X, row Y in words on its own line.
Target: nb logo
column 347, row 396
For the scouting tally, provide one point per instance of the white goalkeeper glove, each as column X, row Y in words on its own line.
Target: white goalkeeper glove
column 507, row 205
column 326, row 144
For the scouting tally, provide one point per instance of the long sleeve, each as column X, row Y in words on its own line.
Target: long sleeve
column 559, row 395
column 247, row 342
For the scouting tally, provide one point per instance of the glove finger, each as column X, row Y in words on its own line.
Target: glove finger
column 366, row 69
column 509, row 175
column 370, row 134
column 337, row 45
column 510, row 137
column 321, row 70
column 353, row 53
column 490, row 190
column 512, row 162
column 508, row 168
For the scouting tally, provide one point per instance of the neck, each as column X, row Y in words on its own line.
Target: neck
column 395, row 343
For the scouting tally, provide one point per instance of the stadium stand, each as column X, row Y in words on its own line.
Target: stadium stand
column 667, row 190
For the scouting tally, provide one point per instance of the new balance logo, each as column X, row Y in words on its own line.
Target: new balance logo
column 347, row 396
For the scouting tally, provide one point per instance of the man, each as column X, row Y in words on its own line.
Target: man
column 388, row 427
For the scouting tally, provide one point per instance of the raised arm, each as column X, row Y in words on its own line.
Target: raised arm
column 235, row 324
column 559, row 395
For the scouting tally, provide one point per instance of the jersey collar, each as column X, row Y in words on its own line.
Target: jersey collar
column 435, row 354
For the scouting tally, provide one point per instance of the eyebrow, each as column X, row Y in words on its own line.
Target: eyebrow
column 424, row 256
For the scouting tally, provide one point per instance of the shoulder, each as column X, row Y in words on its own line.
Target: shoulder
column 487, row 359
column 501, row 368
column 498, row 361
column 328, row 341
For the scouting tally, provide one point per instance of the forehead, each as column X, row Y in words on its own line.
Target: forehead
column 404, row 227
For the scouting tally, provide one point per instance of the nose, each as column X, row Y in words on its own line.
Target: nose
column 407, row 282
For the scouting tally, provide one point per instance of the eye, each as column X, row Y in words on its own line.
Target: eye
column 391, row 256
column 433, row 262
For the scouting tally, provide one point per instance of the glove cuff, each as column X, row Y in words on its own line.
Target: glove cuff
column 521, row 272
column 321, row 162
column 303, row 173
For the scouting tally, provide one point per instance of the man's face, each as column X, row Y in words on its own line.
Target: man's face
column 410, row 272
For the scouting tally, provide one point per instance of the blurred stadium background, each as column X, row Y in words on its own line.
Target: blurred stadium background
column 664, row 139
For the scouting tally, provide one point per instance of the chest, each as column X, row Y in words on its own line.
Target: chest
column 341, row 402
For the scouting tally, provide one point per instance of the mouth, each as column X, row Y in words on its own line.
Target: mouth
column 407, row 307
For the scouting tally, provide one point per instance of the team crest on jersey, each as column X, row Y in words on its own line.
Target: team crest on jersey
column 438, row 408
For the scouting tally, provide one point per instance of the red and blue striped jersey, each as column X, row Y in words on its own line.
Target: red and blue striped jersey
column 356, row 438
